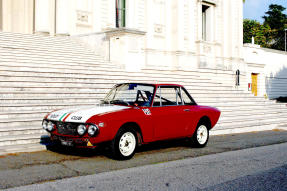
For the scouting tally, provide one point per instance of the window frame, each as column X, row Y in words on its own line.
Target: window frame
column 178, row 92
column 121, row 13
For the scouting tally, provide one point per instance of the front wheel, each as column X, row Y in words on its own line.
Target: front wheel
column 124, row 144
column 200, row 136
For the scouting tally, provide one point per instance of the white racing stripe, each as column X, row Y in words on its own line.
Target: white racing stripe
column 82, row 114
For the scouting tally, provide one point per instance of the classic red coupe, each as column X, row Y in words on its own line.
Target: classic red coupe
column 133, row 114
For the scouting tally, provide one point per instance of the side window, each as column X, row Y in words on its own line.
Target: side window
column 186, row 99
column 167, row 96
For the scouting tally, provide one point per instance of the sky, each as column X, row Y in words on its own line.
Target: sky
column 255, row 9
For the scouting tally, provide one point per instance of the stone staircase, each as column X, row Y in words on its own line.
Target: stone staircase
column 39, row 74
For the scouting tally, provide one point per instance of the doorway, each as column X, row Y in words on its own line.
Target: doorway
column 254, row 87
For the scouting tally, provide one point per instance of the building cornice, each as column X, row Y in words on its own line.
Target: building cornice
column 256, row 65
column 123, row 31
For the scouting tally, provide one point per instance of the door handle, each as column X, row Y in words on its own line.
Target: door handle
column 187, row 110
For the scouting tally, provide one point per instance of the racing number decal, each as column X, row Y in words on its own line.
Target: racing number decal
column 53, row 116
column 146, row 111
column 76, row 117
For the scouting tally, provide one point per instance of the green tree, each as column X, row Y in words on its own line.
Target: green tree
column 275, row 17
column 277, row 21
column 262, row 33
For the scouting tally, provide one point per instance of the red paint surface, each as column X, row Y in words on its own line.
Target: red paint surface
column 165, row 122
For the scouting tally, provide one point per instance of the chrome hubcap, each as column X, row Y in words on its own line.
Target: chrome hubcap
column 127, row 144
column 202, row 134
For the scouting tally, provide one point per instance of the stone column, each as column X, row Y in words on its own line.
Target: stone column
column 62, row 17
column 42, row 16
column 180, row 26
column 52, row 18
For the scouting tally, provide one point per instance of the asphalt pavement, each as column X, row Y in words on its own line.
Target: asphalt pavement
column 261, row 168
column 38, row 167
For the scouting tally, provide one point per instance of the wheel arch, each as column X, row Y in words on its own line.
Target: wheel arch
column 136, row 128
column 206, row 120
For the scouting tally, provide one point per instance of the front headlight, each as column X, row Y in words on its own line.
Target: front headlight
column 81, row 129
column 50, row 126
column 93, row 130
column 45, row 124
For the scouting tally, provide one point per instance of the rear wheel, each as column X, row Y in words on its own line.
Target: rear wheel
column 124, row 144
column 200, row 136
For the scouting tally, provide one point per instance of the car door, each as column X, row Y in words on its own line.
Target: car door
column 191, row 113
column 167, row 113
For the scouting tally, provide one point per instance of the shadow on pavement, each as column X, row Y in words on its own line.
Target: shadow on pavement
column 104, row 149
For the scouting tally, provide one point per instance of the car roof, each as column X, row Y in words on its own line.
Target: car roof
column 162, row 84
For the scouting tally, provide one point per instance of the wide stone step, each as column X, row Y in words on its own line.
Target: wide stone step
column 93, row 98
column 91, row 85
column 97, row 74
column 94, row 89
column 36, row 37
column 40, row 47
column 52, row 94
column 226, row 77
column 23, row 114
column 39, row 107
column 33, row 81
column 41, row 50
column 39, row 100
column 251, row 117
column 73, row 60
column 100, row 76
column 243, row 129
column 242, row 102
column 238, row 105
column 230, row 99
column 272, row 121
column 32, row 147
column 251, row 111
column 198, row 71
column 40, row 42
column 32, row 114
column 36, row 70
column 56, row 63
column 22, row 123
column 21, row 131
column 20, row 139
column 26, row 117
column 64, row 46
column 228, row 93
column 100, row 93
column 6, row 51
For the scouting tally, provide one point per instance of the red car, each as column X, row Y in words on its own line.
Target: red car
column 133, row 114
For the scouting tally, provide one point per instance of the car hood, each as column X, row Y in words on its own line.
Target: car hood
column 82, row 114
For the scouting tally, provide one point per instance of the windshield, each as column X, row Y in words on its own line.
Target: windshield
column 130, row 94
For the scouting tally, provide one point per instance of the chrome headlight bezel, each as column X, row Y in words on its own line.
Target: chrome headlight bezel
column 81, row 129
column 50, row 126
column 45, row 124
column 93, row 130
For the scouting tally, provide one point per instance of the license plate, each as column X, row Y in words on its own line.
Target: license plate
column 67, row 143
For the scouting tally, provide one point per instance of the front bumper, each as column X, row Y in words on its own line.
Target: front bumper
column 72, row 141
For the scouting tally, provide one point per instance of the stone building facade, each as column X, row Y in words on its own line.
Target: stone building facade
column 180, row 34
column 138, row 34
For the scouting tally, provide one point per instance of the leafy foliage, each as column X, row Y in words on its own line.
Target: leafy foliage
column 277, row 20
column 271, row 33
column 262, row 33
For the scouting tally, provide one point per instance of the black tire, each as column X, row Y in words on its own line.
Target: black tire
column 200, row 138
column 124, row 144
